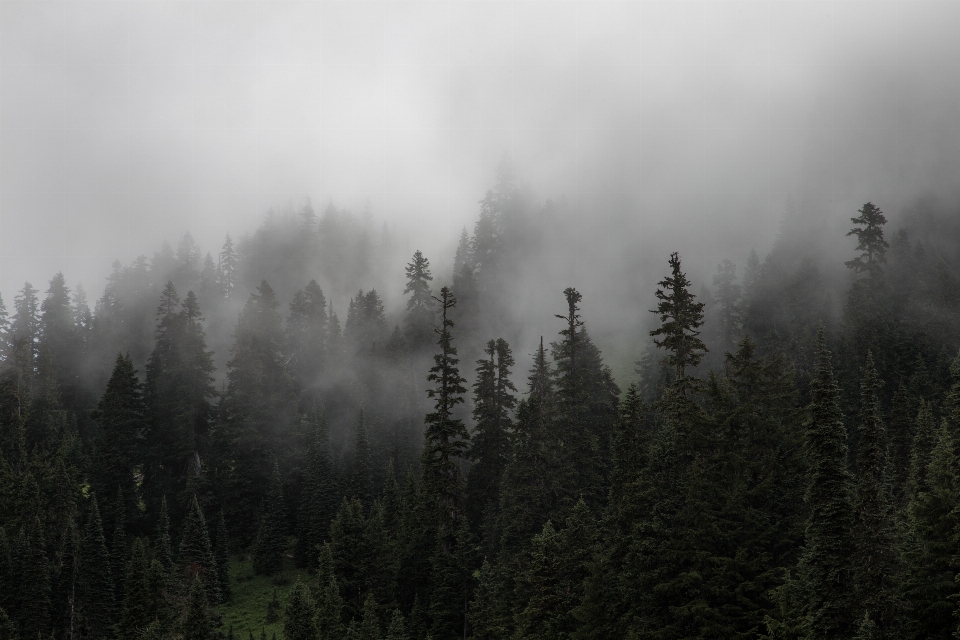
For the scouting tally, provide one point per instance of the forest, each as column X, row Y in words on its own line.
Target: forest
column 208, row 450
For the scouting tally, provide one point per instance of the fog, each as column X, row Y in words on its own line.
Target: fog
column 706, row 128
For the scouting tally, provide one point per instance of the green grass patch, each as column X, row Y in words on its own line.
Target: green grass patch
column 251, row 595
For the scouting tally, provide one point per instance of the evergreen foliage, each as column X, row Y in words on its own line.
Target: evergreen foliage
column 420, row 319
column 680, row 317
column 195, row 554
column 272, row 538
column 299, row 619
column 96, row 598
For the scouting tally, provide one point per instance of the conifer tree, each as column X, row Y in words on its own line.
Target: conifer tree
column 869, row 241
column 6, row 572
column 900, row 439
column 826, row 561
column 118, row 544
column 369, row 628
column 195, row 554
column 445, row 437
column 25, row 324
column 34, row 582
column 452, row 567
column 96, row 603
column 362, row 481
column 137, row 611
column 877, row 561
column 419, row 322
column 163, row 544
column 931, row 544
column 272, row 539
column 490, row 441
column 348, row 553
column 728, row 303
column 299, row 620
column 8, row 631
column 396, row 629
column 319, row 493
column 329, row 600
column 307, row 335
column 196, row 621
column 228, row 269
column 221, row 557
column 680, row 317
column 120, row 417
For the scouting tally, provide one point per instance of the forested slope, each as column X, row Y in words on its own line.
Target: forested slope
column 785, row 464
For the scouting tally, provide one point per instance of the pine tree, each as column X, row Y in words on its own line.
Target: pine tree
column 348, row 553
column 221, row 557
column 120, row 417
column 329, row 601
column 307, row 335
column 362, row 480
column 931, row 543
column 196, row 621
column 299, row 621
column 680, row 317
column 396, row 630
column 451, row 576
column 195, row 555
column 137, row 611
column 369, row 628
column 877, row 561
column 96, row 603
column 445, row 437
column 318, row 503
column 900, row 438
column 6, row 572
column 826, row 562
column 869, row 240
column 118, row 544
column 490, row 441
column 8, row 631
column 25, row 324
column 272, row 539
column 163, row 545
column 420, row 319
column 34, row 582
column 729, row 296
column 228, row 270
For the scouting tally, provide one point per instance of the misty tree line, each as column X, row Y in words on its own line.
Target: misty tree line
column 748, row 485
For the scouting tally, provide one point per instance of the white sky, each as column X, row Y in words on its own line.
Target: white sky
column 126, row 122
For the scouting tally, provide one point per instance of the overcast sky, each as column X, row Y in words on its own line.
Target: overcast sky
column 127, row 122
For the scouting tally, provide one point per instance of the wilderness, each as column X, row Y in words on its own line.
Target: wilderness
column 210, row 452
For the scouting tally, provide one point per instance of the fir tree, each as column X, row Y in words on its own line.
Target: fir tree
column 8, row 631
column 869, row 240
column 196, row 621
column 195, row 555
column 419, row 322
column 362, row 481
column 299, row 620
column 348, row 553
column 900, row 438
column 728, row 303
column 272, row 539
column 307, row 335
column 369, row 628
column 680, row 318
column 826, row 562
column 318, row 503
column 118, row 544
column 875, row 545
column 96, row 602
column 163, row 544
column 34, row 582
column 221, row 557
column 228, row 269
column 396, row 630
column 137, row 611
column 446, row 437
column 329, row 600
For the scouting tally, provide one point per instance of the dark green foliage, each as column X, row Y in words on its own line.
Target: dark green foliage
column 195, row 554
column 876, row 557
column 119, row 415
column 96, row 598
column 273, row 609
column 931, row 543
column 369, row 627
column 452, row 566
column 118, row 544
column 272, row 538
column 446, row 437
column 899, row 443
column 362, row 480
column 680, row 318
column 869, row 240
column 196, row 621
column 221, row 557
column 490, row 442
column 8, row 631
column 162, row 544
column 396, row 630
column 826, row 568
column 347, row 549
column 139, row 605
column 421, row 315
column 728, row 309
column 318, row 504
column 33, row 590
column 299, row 619
column 329, row 600
column 307, row 335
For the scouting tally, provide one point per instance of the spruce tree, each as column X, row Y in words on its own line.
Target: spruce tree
column 869, row 241
column 329, row 600
column 136, row 612
column 396, row 629
column 680, row 318
column 195, row 554
column 118, row 544
column 96, row 603
column 877, row 560
column 8, row 630
column 221, row 557
column 369, row 628
column 825, row 565
column 299, row 619
column 900, row 438
column 34, row 582
column 347, row 548
column 728, row 311
column 420, row 319
column 272, row 539
column 196, row 620
column 490, row 442
column 445, row 437
column 362, row 480
column 163, row 544
column 318, row 502
column 307, row 335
